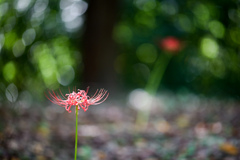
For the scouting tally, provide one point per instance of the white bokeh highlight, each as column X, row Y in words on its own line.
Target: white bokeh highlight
column 140, row 99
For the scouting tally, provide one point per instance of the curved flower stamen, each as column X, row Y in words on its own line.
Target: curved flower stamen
column 96, row 98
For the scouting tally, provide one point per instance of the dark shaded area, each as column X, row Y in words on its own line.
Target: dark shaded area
column 99, row 48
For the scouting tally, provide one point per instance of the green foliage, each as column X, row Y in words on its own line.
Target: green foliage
column 209, row 31
column 39, row 44
column 36, row 48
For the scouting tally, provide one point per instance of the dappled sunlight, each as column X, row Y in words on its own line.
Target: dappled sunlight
column 18, row 48
column 72, row 12
column 209, row 48
column 28, row 36
column 22, row 5
column 9, row 71
column 11, row 92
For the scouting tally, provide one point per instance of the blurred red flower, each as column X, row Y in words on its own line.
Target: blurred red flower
column 170, row 44
column 80, row 99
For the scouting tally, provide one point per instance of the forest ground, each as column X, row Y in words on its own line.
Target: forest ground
column 178, row 128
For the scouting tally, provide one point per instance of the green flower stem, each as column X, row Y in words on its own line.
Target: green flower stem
column 142, row 120
column 76, row 134
column 152, row 85
column 157, row 73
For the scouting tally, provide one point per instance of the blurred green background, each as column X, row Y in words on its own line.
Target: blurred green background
column 51, row 44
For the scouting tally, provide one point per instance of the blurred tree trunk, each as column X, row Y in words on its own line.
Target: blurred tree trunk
column 98, row 46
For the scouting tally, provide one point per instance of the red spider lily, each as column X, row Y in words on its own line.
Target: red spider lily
column 170, row 44
column 80, row 99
